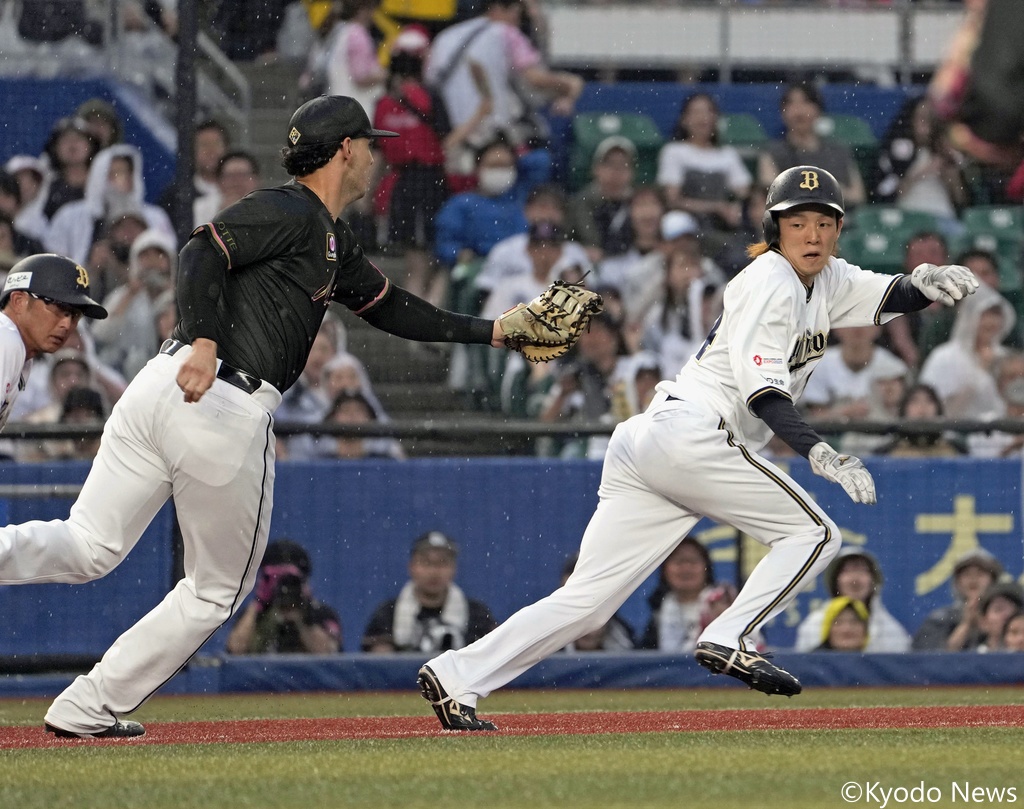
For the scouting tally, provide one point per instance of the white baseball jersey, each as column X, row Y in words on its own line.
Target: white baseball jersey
column 771, row 334
column 14, row 367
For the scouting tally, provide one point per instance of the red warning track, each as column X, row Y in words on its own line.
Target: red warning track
column 291, row 730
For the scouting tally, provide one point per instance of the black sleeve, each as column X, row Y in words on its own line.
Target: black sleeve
column 904, row 297
column 380, row 626
column 404, row 315
column 201, row 273
column 781, row 415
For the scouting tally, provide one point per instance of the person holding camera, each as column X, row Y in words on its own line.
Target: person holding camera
column 284, row 617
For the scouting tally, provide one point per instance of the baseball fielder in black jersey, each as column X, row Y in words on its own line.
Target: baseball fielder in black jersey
column 253, row 288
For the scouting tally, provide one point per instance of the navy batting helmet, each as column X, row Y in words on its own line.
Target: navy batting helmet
column 48, row 275
column 800, row 185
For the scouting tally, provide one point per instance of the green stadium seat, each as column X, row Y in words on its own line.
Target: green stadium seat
column 1008, row 250
column 880, row 251
column 745, row 133
column 589, row 129
column 878, row 218
column 1003, row 221
column 856, row 133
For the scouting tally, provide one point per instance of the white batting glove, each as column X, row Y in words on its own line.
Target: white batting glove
column 845, row 470
column 948, row 283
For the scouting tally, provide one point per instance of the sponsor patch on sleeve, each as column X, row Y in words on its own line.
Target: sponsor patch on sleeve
column 769, row 363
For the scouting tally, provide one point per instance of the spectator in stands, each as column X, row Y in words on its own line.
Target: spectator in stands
column 614, row 636
column 801, row 106
column 115, row 187
column 922, row 402
column 413, row 188
column 847, row 384
column 33, row 176
column 8, row 256
column 586, row 385
column 939, row 325
column 902, row 334
column 247, row 30
column 995, row 606
column 210, row 143
column 702, row 177
column 960, row 369
column 471, row 223
column 68, row 369
column 20, row 244
column 350, row 406
column 511, row 256
column 956, row 627
column 679, row 321
column 918, row 170
column 102, row 120
column 676, row 603
column 599, row 213
column 645, row 279
column 345, row 61
column 69, row 150
column 431, row 613
column 56, row 20
column 238, row 173
column 1013, row 632
column 111, row 250
column 127, row 339
column 284, row 617
column 306, row 399
column 646, row 210
column 495, row 43
column 82, row 406
column 856, row 576
column 845, row 626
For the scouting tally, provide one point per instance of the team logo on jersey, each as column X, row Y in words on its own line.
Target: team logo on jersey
column 810, row 181
column 83, row 276
column 332, row 247
column 294, row 135
column 809, row 347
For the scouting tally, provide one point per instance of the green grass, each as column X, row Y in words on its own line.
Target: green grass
column 738, row 769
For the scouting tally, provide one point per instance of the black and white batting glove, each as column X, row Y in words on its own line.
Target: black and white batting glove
column 948, row 283
column 845, row 470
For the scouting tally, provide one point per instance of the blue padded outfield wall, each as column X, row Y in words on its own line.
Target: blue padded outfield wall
column 515, row 520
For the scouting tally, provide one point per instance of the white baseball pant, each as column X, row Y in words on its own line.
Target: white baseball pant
column 663, row 471
column 216, row 457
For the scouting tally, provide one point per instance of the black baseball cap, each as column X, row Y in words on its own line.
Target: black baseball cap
column 331, row 119
column 433, row 540
column 56, row 277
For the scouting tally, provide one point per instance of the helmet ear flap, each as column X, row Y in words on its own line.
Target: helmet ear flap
column 770, row 228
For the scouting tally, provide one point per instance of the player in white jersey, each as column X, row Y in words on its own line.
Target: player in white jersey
column 42, row 300
column 694, row 453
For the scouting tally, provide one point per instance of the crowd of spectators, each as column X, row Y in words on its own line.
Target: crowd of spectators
column 468, row 197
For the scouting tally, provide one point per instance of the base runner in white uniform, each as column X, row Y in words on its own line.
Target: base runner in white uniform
column 694, row 453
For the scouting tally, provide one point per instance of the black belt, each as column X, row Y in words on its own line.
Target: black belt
column 240, row 379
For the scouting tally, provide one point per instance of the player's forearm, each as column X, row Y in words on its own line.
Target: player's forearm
column 781, row 415
column 404, row 315
column 904, row 297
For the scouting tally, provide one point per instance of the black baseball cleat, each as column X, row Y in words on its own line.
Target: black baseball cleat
column 453, row 715
column 119, row 730
column 750, row 667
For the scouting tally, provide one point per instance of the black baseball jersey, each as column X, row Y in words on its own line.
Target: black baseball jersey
column 287, row 260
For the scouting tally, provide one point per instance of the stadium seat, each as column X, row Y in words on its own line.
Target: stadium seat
column 880, row 251
column 589, row 129
column 856, row 133
column 1008, row 250
column 878, row 218
column 745, row 133
column 1002, row 221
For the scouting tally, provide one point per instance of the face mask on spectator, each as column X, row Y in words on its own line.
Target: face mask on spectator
column 493, row 182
